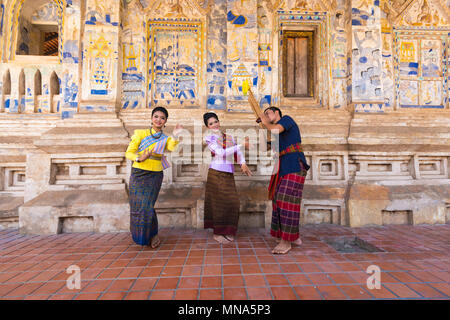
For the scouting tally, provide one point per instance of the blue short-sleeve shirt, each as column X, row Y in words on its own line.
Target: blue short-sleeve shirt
column 290, row 163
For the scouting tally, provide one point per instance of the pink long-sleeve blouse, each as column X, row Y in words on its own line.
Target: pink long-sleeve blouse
column 223, row 159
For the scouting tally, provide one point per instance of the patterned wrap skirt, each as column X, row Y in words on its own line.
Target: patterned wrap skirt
column 144, row 189
column 286, row 206
column 221, row 203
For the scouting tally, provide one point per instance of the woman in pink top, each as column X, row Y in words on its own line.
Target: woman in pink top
column 221, row 198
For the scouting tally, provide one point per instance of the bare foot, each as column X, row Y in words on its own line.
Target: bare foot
column 282, row 248
column 297, row 242
column 155, row 242
column 220, row 239
column 229, row 237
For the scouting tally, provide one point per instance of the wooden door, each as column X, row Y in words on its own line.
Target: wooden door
column 298, row 64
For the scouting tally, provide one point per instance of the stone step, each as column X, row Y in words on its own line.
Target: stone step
column 29, row 121
column 87, row 180
column 97, row 116
column 82, row 120
column 83, row 147
column 19, row 144
column 12, row 158
column 9, row 223
column 105, row 186
column 29, row 128
column 86, row 133
column 91, row 107
column 409, row 123
column 21, row 132
column 87, row 125
column 394, row 117
column 30, row 116
column 9, row 207
column 111, row 115
column 399, row 120
column 24, row 127
column 52, row 211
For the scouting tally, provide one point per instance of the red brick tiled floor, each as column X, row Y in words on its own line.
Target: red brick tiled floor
column 190, row 265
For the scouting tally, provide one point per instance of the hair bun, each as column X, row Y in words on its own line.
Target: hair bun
column 208, row 115
column 161, row 109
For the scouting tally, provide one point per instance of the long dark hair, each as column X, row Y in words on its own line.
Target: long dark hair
column 209, row 115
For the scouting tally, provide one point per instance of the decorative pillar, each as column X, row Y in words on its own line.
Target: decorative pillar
column 101, row 59
column 15, row 99
column 30, row 101
column 44, row 105
column 265, row 54
column 367, row 89
column 70, row 57
column 2, row 27
column 242, row 53
column 216, row 71
column 134, row 58
column 339, row 67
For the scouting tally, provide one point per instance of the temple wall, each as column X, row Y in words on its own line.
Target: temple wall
column 121, row 55
column 375, row 128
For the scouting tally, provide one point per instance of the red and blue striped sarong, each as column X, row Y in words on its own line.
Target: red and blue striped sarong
column 286, row 205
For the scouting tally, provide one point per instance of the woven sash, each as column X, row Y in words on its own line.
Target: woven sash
column 275, row 178
column 158, row 149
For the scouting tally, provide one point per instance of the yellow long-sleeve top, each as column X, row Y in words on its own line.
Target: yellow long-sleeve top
column 150, row 164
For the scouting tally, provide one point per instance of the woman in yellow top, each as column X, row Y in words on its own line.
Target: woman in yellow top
column 146, row 149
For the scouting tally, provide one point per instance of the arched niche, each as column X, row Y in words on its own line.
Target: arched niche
column 21, row 91
column 54, row 92
column 38, row 83
column 6, row 90
column 37, row 90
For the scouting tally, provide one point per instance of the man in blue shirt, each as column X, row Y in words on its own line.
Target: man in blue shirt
column 286, row 186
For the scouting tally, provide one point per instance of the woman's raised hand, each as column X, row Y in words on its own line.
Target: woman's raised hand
column 177, row 130
column 245, row 169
